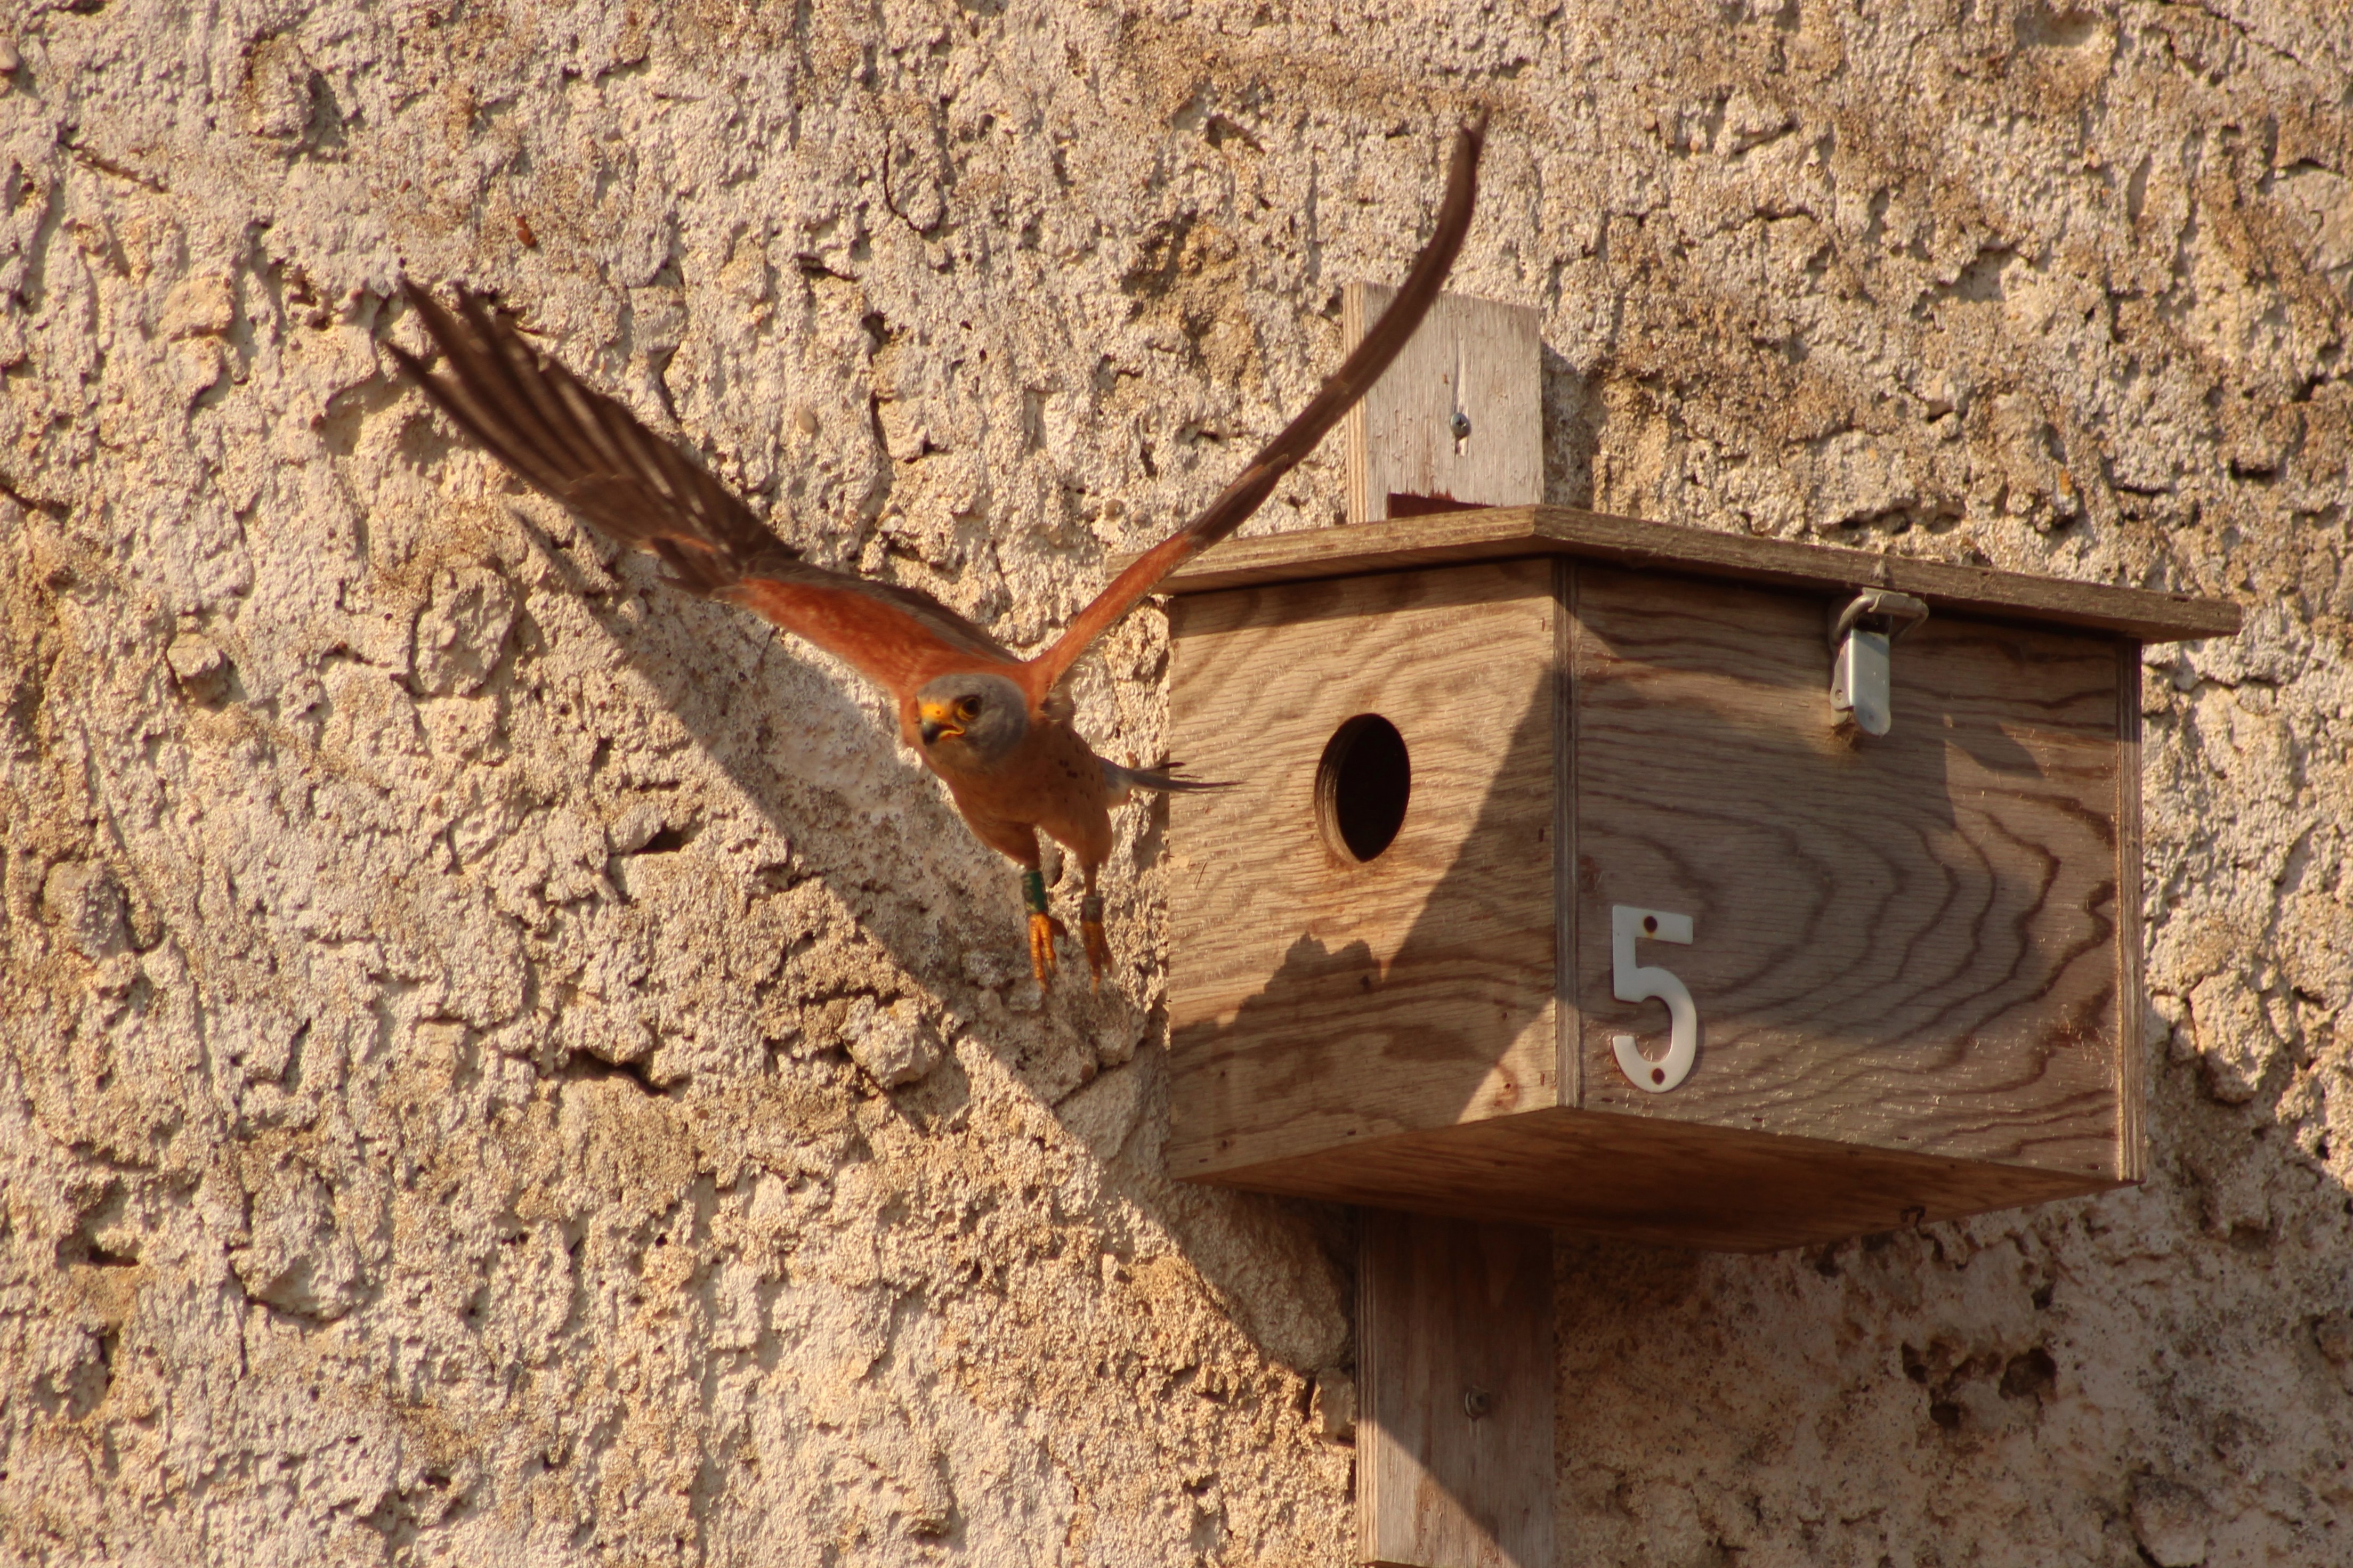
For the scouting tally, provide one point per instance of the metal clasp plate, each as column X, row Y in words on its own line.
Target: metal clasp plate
column 1862, row 631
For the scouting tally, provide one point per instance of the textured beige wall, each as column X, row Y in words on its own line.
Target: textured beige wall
column 503, row 1064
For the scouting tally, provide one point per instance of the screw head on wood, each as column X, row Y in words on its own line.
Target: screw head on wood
column 1477, row 1402
column 1460, row 424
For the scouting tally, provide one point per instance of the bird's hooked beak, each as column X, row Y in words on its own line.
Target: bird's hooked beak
column 934, row 720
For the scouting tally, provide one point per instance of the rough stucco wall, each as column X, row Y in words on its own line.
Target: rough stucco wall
column 502, row 1063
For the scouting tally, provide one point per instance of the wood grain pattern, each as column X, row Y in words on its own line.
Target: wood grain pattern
column 1476, row 356
column 1568, row 1020
column 1918, row 954
column 1658, row 1182
column 1315, row 1001
column 1509, row 533
column 2132, row 1000
column 1908, row 941
column 1445, row 1309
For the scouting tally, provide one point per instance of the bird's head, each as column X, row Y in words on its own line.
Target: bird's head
column 971, row 718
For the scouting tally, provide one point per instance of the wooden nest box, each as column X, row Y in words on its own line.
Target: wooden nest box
column 1564, row 881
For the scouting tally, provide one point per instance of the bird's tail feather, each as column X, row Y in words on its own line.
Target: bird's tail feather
column 1162, row 778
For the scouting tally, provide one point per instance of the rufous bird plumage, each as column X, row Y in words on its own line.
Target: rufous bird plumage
column 996, row 726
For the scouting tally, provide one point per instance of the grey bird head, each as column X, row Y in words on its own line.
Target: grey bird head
column 970, row 719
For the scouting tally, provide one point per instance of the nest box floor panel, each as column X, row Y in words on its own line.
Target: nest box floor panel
column 1659, row 1183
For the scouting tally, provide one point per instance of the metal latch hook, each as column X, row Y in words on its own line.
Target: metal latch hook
column 1862, row 631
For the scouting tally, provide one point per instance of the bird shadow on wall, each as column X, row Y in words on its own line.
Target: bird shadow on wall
column 704, row 664
column 1076, row 1053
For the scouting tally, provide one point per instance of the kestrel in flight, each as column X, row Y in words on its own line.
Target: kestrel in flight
column 996, row 726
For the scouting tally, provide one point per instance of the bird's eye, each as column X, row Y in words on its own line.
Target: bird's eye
column 968, row 709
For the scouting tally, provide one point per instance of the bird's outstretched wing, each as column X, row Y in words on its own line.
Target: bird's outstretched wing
column 1279, row 457
column 584, row 450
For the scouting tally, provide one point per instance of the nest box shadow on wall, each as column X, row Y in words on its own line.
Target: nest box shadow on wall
column 1687, row 887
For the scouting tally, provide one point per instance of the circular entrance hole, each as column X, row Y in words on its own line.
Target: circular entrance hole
column 1361, row 786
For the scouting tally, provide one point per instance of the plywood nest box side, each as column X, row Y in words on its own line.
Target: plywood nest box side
column 1470, row 750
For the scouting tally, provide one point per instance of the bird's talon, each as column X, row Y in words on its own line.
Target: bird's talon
column 1043, row 930
column 1091, row 933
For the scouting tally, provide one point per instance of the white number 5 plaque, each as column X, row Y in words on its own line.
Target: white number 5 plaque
column 1633, row 983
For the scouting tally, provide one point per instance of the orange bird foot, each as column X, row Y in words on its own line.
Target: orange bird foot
column 1091, row 933
column 1043, row 930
